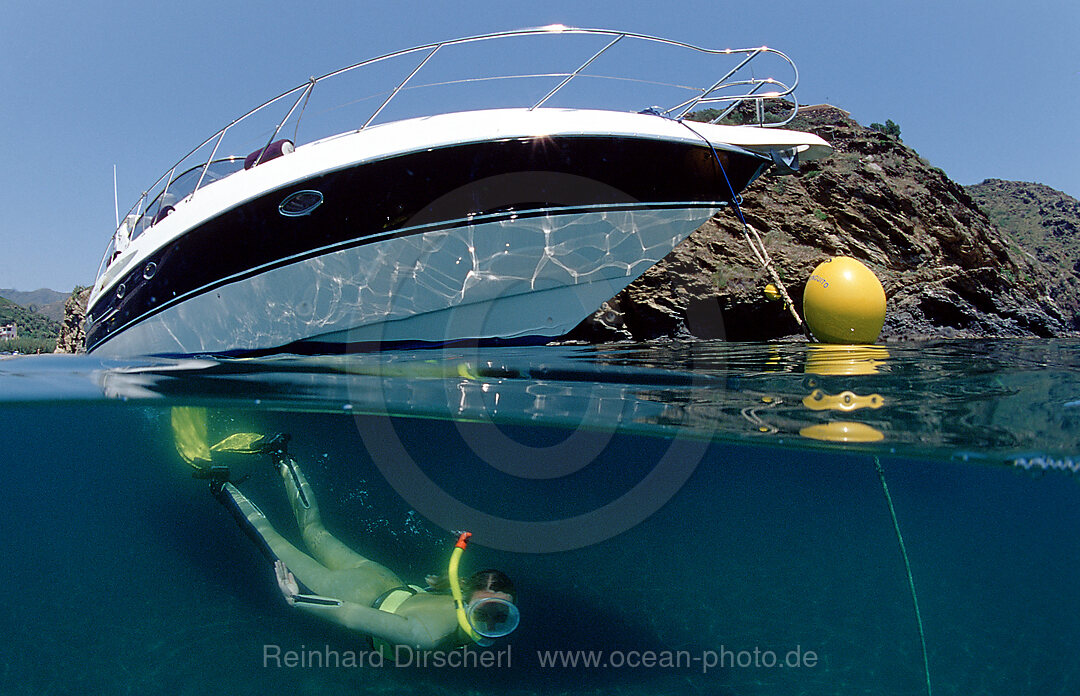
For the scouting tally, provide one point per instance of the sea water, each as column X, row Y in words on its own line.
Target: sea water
column 678, row 518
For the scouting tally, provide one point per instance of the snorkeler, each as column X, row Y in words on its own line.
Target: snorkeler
column 360, row 594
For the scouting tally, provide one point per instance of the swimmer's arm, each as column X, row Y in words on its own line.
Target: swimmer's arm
column 392, row 628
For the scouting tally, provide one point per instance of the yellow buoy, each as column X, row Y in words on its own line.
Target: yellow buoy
column 825, row 359
column 842, row 432
column 818, row 400
column 772, row 293
column 844, row 302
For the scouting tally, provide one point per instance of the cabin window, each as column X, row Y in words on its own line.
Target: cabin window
column 300, row 203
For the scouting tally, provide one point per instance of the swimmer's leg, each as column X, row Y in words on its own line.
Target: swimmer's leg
column 330, row 551
column 274, row 546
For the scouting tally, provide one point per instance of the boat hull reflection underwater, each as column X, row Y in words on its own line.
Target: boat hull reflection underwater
column 501, row 223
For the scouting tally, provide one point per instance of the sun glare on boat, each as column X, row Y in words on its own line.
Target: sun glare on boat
column 541, row 141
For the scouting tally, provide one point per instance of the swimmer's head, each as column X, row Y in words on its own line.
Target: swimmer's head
column 491, row 609
column 484, row 603
column 488, row 583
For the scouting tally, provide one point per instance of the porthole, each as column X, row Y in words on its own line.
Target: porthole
column 300, row 203
column 120, row 290
column 149, row 271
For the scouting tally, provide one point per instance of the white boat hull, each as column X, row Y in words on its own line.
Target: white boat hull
column 509, row 278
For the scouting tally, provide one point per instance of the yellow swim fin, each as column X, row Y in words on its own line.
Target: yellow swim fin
column 193, row 444
column 189, row 433
column 240, row 443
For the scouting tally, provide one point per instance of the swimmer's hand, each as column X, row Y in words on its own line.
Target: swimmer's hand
column 437, row 583
column 286, row 582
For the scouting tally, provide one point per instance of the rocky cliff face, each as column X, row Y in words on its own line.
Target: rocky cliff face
column 72, row 338
column 947, row 271
column 1045, row 224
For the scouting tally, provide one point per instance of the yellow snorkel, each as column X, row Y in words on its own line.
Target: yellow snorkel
column 455, row 590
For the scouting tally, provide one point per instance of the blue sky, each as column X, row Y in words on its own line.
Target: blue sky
column 980, row 89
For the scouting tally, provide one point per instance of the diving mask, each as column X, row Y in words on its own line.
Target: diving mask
column 493, row 617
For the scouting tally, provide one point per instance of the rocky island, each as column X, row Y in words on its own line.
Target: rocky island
column 947, row 268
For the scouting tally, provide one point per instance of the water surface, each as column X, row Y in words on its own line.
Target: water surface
column 672, row 499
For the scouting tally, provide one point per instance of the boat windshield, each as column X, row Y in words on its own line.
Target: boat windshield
column 183, row 186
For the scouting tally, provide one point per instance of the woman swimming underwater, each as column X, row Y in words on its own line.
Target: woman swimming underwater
column 360, row 594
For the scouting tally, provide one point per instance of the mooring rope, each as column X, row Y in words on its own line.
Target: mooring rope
column 907, row 566
column 758, row 249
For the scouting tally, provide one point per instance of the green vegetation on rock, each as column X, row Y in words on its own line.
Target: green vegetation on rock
column 889, row 128
column 36, row 332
